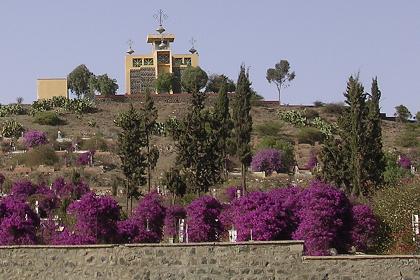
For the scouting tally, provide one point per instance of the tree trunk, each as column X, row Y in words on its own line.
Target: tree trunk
column 243, row 173
column 279, row 90
column 127, row 197
column 148, row 163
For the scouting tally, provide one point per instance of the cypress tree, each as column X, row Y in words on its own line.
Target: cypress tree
column 353, row 127
column 131, row 141
column 150, row 115
column 375, row 164
column 243, row 122
column 197, row 148
column 223, row 124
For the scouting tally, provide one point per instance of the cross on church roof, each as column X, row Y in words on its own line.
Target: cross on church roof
column 160, row 17
column 193, row 41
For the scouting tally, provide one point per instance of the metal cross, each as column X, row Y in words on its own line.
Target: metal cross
column 130, row 43
column 160, row 16
column 193, row 41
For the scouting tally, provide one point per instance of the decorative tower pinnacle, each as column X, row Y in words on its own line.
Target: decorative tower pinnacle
column 192, row 50
column 130, row 50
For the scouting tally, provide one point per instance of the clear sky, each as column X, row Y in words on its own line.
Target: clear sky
column 324, row 41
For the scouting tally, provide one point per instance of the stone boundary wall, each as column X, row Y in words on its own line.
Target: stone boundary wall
column 247, row 260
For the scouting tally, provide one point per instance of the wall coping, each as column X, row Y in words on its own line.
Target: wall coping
column 154, row 245
column 358, row 257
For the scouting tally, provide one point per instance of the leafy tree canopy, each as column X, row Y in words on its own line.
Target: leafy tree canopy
column 280, row 75
column 216, row 81
column 78, row 81
column 193, row 79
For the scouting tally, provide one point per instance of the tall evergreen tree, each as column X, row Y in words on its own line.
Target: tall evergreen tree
column 223, row 124
column 375, row 163
column 355, row 158
column 131, row 141
column 150, row 115
column 242, row 121
column 353, row 126
column 197, row 148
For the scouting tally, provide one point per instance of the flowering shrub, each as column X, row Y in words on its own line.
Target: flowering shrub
column 267, row 160
column 18, row 222
column 146, row 223
column 34, row 138
column 232, row 193
column 203, row 219
column 85, row 158
column 65, row 189
column 96, row 220
column 363, row 227
column 325, row 209
column 173, row 215
column 262, row 216
column 23, row 189
column 404, row 162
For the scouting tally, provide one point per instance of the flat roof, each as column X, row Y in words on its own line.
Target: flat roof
column 157, row 37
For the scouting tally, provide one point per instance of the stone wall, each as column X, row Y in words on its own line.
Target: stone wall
column 252, row 260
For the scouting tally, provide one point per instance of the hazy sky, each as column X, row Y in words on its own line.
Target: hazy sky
column 324, row 41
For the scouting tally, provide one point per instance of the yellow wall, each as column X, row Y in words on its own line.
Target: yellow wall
column 48, row 88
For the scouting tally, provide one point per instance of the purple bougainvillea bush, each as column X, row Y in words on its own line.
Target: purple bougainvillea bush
column 95, row 221
column 262, row 216
column 34, row 138
column 64, row 189
column 404, row 162
column 232, row 192
column 85, row 158
column 323, row 217
column 267, row 160
column 203, row 219
column 146, row 223
column 172, row 216
column 363, row 227
column 18, row 222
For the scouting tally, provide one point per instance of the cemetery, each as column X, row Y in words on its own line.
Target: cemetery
column 192, row 175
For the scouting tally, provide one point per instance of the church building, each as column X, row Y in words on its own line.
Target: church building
column 142, row 70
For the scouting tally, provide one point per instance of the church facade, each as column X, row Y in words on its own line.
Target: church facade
column 142, row 70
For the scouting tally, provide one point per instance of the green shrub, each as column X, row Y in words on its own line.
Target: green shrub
column 48, row 118
column 311, row 114
column 334, row 108
column 309, row 135
column 269, row 128
column 393, row 207
column 94, row 143
column 12, row 128
column 318, row 103
column 283, row 145
column 394, row 173
column 41, row 155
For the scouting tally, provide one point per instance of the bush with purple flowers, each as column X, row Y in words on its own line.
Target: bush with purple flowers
column 96, row 221
column 146, row 223
column 363, row 228
column 64, row 189
column 34, row 138
column 324, row 219
column 404, row 162
column 203, row 219
column 267, row 160
column 85, row 158
column 18, row 223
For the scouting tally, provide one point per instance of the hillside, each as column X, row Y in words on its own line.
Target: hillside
column 98, row 131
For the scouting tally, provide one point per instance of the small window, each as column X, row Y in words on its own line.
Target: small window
column 137, row 62
column 187, row 61
column 178, row 61
column 148, row 61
